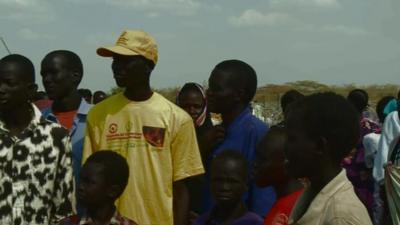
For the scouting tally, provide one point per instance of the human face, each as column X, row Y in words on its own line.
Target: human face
column 192, row 102
column 270, row 167
column 58, row 80
column 302, row 154
column 14, row 90
column 130, row 71
column 98, row 97
column 228, row 183
column 221, row 94
column 92, row 190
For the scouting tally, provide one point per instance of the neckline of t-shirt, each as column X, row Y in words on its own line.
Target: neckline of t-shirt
column 147, row 101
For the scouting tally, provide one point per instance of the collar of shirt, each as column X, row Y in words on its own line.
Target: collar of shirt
column 317, row 205
column 242, row 134
column 83, row 109
column 238, row 120
column 82, row 112
column 116, row 219
column 37, row 119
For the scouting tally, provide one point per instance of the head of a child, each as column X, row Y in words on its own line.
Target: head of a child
column 321, row 130
column 229, row 176
column 359, row 99
column 104, row 177
column 270, row 159
column 381, row 105
column 288, row 98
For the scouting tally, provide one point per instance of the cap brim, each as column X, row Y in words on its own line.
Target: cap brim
column 110, row 51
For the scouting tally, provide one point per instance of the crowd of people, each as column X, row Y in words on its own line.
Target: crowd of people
column 137, row 158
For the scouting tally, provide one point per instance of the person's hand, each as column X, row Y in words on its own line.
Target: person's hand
column 215, row 136
column 212, row 138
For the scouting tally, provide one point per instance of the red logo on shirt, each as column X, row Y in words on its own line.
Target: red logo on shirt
column 154, row 135
column 113, row 128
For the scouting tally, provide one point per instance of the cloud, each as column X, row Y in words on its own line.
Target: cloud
column 324, row 3
column 101, row 39
column 339, row 29
column 351, row 31
column 306, row 3
column 21, row 3
column 177, row 7
column 28, row 34
column 153, row 15
column 26, row 11
column 252, row 17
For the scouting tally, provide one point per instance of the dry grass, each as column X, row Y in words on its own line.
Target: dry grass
column 271, row 93
column 268, row 96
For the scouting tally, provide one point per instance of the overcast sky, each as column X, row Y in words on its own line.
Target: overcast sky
column 329, row 41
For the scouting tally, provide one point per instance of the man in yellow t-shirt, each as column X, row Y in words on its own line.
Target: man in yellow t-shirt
column 156, row 137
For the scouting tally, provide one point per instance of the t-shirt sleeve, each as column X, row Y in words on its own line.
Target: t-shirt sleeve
column 277, row 216
column 271, row 216
column 186, row 159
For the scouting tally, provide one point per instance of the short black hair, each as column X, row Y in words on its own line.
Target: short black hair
column 330, row 116
column 73, row 61
column 275, row 134
column 98, row 96
column 289, row 97
column 242, row 76
column 381, row 106
column 115, row 168
column 358, row 98
column 99, row 93
column 25, row 66
column 85, row 92
column 234, row 155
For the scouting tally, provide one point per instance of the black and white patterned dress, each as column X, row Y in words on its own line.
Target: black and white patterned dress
column 36, row 181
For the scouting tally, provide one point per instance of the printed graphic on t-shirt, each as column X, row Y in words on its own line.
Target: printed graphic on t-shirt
column 154, row 135
column 113, row 128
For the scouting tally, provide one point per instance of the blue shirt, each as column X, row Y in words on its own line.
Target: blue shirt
column 243, row 135
column 77, row 133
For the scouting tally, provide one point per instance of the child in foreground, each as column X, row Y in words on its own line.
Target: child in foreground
column 104, row 177
column 229, row 178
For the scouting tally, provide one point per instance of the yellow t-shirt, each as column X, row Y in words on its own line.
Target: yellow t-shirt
column 158, row 140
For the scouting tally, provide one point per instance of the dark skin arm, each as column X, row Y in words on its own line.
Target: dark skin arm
column 181, row 203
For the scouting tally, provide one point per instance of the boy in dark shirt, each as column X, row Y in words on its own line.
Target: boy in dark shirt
column 103, row 179
column 229, row 178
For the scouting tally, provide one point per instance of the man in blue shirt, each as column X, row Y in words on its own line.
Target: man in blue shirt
column 62, row 72
column 232, row 85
